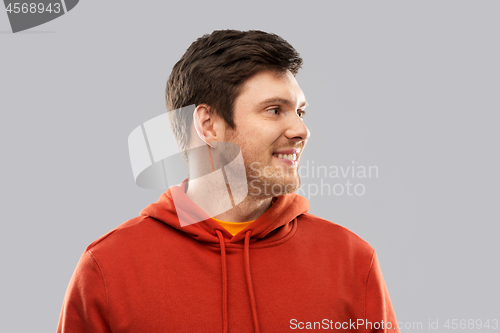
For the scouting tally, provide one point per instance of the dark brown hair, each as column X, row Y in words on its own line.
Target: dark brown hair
column 214, row 69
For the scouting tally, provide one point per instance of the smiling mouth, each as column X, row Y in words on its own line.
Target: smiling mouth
column 290, row 157
column 291, row 160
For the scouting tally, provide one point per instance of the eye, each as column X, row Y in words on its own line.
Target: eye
column 274, row 111
column 301, row 113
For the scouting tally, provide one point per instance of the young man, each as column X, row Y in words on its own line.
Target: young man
column 189, row 262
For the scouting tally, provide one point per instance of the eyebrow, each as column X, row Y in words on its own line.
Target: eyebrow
column 281, row 101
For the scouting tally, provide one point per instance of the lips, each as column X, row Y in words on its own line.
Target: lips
column 295, row 151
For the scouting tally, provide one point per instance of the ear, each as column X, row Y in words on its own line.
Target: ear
column 208, row 125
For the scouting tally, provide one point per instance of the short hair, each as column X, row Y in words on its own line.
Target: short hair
column 214, row 69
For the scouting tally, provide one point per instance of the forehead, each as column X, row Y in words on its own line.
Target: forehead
column 268, row 86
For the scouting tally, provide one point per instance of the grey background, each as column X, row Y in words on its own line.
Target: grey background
column 411, row 87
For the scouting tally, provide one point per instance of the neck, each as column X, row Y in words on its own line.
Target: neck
column 251, row 208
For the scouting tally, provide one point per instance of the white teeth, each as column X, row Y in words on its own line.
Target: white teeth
column 291, row 157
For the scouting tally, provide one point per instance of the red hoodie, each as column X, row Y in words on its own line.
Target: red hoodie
column 289, row 270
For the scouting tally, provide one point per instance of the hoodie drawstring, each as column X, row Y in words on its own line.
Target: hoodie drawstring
column 249, row 282
column 225, row 321
column 248, row 275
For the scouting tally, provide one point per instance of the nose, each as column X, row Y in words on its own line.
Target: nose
column 296, row 129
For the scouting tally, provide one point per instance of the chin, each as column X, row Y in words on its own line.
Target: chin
column 291, row 187
column 270, row 187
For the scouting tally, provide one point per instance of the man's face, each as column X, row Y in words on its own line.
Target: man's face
column 269, row 121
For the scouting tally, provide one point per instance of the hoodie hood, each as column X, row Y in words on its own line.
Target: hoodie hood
column 281, row 214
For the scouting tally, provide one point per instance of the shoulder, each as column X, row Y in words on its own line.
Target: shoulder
column 127, row 238
column 333, row 234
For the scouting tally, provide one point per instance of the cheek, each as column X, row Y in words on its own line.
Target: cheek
column 258, row 138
